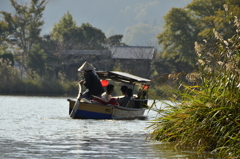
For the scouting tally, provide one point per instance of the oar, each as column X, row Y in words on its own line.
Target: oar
column 75, row 108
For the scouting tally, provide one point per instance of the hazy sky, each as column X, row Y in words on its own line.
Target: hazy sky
column 138, row 20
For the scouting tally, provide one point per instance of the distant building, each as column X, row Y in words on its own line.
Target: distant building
column 73, row 59
column 134, row 59
column 85, row 52
column 132, row 52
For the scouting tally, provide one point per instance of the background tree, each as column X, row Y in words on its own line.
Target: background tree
column 67, row 33
column 177, row 39
column 37, row 60
column 215, row 15
column 72, row 37
column 115, row 40
column 4, row 32
column 52, row 60
column 61, row 28
column 184, row 26
column 24, row 27
column 94, row 38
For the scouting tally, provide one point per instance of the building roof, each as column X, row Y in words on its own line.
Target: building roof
column 85, row 52
column 132, row 52
column 118, row 52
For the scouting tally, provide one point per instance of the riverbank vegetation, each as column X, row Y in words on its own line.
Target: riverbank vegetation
column 13, row 84
column 205, row 112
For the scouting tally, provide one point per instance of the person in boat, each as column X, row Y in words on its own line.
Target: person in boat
column 106, row 98
column 91, row 82
column 109, row 90
column 124, row 100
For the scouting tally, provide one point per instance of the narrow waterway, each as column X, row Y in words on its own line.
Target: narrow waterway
column 39, row 127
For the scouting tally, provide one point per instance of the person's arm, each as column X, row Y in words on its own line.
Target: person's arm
column 104, row 96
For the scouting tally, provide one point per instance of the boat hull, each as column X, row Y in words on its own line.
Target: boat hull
column 98, row 111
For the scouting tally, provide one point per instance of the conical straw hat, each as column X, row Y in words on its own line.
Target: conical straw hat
column 86, row 66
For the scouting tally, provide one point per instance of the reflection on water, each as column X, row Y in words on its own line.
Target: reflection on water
column 39, row 127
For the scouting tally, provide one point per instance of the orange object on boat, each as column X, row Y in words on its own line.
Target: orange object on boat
column 104, row 83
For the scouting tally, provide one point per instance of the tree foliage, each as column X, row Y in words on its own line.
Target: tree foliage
column 67, row 33
column 4, row 32
column 211, row 14
column 115, row 40
column 70, row 36
column 94, row 38
column 195, row 22
column 65, row 25
column 37, row 60
column 23, row 28
column 178, row 36
column 177, row 41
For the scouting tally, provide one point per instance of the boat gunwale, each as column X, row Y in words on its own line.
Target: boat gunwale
column 114, row 106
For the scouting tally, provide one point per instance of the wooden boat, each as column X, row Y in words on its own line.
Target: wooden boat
column 85, row 109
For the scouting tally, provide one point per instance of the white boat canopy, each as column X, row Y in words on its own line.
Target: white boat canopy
column 122, row 77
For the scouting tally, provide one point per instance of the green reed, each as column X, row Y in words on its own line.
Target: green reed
column 205, row 114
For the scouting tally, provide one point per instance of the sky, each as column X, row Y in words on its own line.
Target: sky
column 139, row 21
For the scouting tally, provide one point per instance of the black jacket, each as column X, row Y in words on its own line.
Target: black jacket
column 93, row 84
column 123, row 101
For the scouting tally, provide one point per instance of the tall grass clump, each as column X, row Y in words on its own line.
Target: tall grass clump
column 206, row 112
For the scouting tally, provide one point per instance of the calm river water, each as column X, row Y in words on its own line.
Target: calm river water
column 39, row 127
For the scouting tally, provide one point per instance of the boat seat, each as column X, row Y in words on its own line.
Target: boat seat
column 99, row 100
